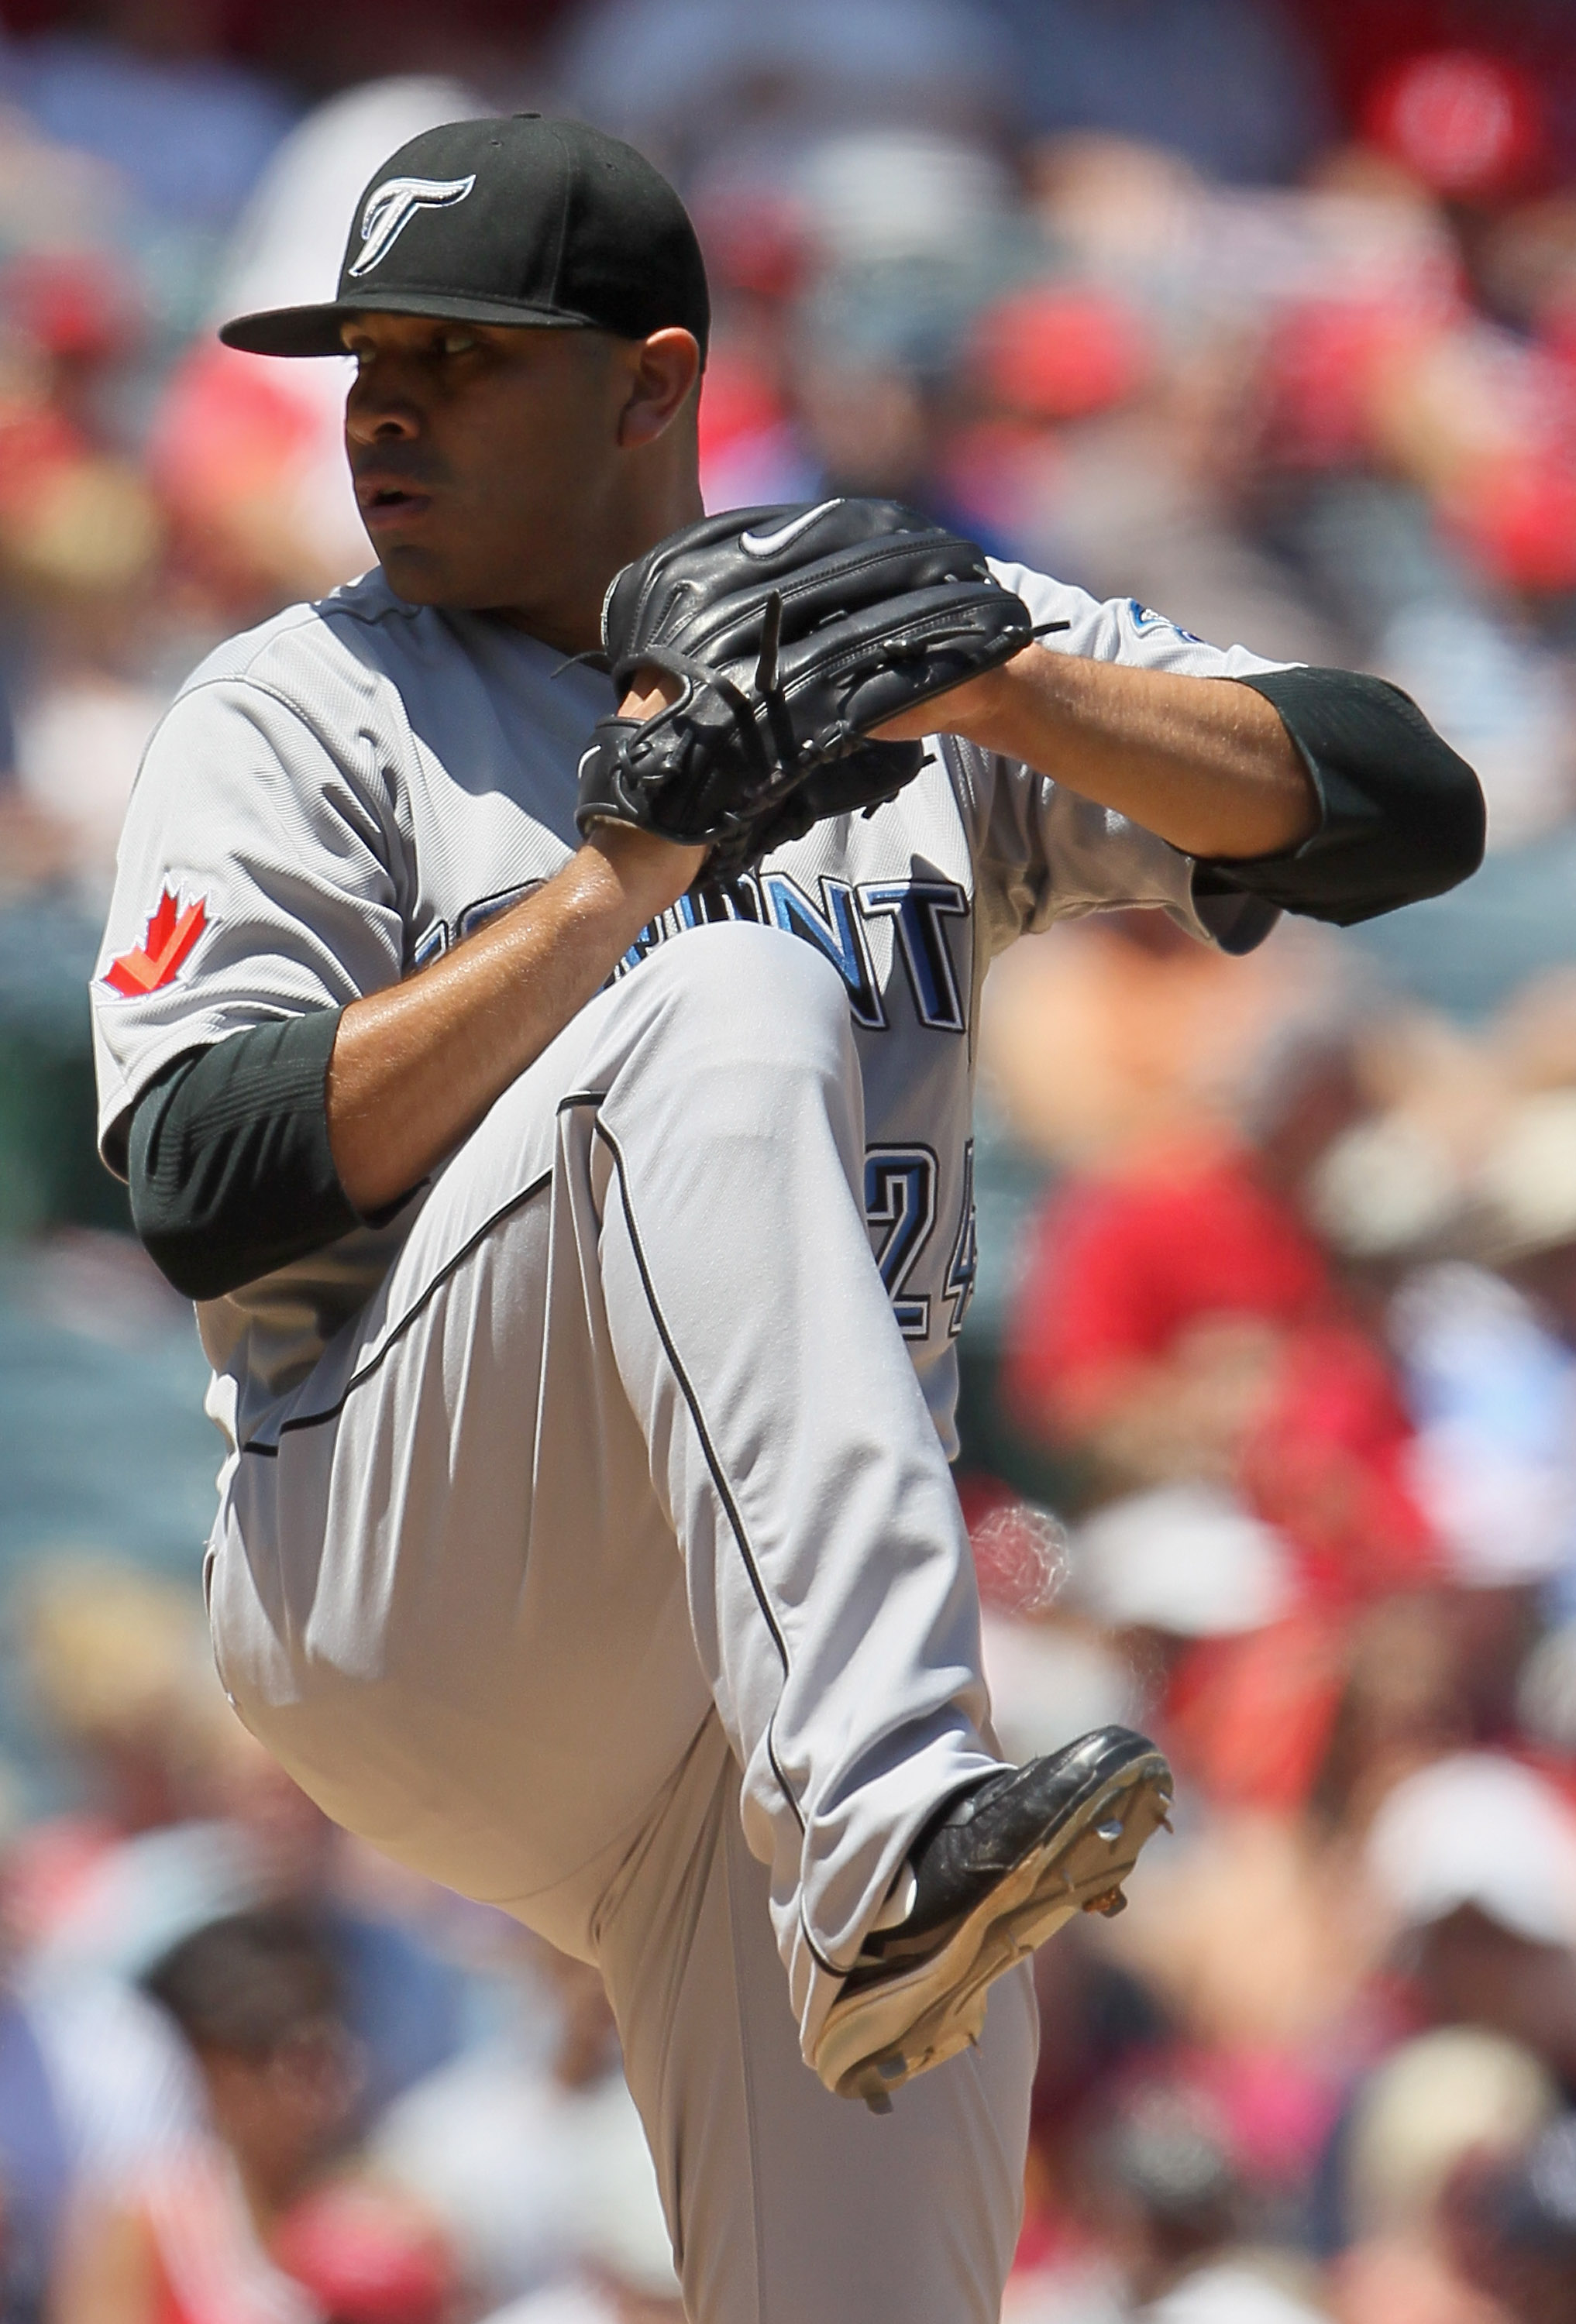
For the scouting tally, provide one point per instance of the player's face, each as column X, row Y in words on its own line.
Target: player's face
column 493, row 465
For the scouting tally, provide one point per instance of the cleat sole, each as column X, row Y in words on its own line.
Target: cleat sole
column 922, row 2017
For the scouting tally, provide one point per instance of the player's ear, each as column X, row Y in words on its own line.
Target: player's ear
column 662, row 375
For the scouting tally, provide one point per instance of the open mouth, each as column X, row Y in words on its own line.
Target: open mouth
column 389, row 503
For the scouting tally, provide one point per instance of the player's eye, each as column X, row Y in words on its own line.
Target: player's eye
column 457, row 343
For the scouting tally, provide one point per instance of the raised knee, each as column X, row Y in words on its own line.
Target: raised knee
column 750, row 990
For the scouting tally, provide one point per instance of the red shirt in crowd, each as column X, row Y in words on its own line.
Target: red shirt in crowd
column 1123, row 1269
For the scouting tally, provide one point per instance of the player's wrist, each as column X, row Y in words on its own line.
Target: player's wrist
column 982, row 710
column 979, row 711
column 638, row 868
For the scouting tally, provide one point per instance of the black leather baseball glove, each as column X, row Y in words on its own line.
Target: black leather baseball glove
column 791, row 632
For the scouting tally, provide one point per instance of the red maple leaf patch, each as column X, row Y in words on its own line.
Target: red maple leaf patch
column 170, row 935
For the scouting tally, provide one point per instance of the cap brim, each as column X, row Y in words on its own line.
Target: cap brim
column 318, row 330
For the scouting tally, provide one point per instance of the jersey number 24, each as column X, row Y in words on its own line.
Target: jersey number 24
column 900, row 1208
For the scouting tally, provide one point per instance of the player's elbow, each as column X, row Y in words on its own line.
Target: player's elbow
column 1451, row 840
column 1401, row 815
column 228, row 1161
column 175, row 1227
column 205, row 1243
column 177, row 1208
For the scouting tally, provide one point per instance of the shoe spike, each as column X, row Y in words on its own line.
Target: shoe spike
column 1110, row 1904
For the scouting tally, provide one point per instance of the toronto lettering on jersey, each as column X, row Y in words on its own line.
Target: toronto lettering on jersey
column 838, row 923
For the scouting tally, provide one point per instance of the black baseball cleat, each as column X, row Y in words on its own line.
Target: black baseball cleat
column 994, row 1874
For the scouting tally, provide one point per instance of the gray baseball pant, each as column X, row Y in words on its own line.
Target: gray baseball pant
column 607, row 1567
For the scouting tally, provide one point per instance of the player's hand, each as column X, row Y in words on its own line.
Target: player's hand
column 645, row 863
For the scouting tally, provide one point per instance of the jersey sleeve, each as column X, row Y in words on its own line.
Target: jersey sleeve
column 1043, row 852
column 260, row 875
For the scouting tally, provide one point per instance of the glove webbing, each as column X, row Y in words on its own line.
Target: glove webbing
column 694, row 675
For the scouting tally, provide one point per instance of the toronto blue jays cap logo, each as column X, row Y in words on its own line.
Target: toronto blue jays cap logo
column 390, row 207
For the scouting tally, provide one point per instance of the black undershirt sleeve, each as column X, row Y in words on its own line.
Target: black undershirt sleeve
column 228, row 1158
column 1401, row 815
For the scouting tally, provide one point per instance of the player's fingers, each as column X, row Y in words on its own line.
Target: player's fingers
column 650, row 690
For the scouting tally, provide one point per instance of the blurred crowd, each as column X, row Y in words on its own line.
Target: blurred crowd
column 248, row 2074
column 1262, row 312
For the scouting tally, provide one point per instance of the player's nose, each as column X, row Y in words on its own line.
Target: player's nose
column 379, row 413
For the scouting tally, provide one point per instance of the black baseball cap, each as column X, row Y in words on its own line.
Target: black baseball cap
column 522, row 220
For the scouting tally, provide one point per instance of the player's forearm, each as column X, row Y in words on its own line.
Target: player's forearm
column 415, row 1068
column 1201, row 763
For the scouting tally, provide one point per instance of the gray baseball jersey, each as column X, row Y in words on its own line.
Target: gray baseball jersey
column 336, row 797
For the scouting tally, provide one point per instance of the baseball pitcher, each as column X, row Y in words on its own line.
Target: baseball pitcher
column 536, row 1019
